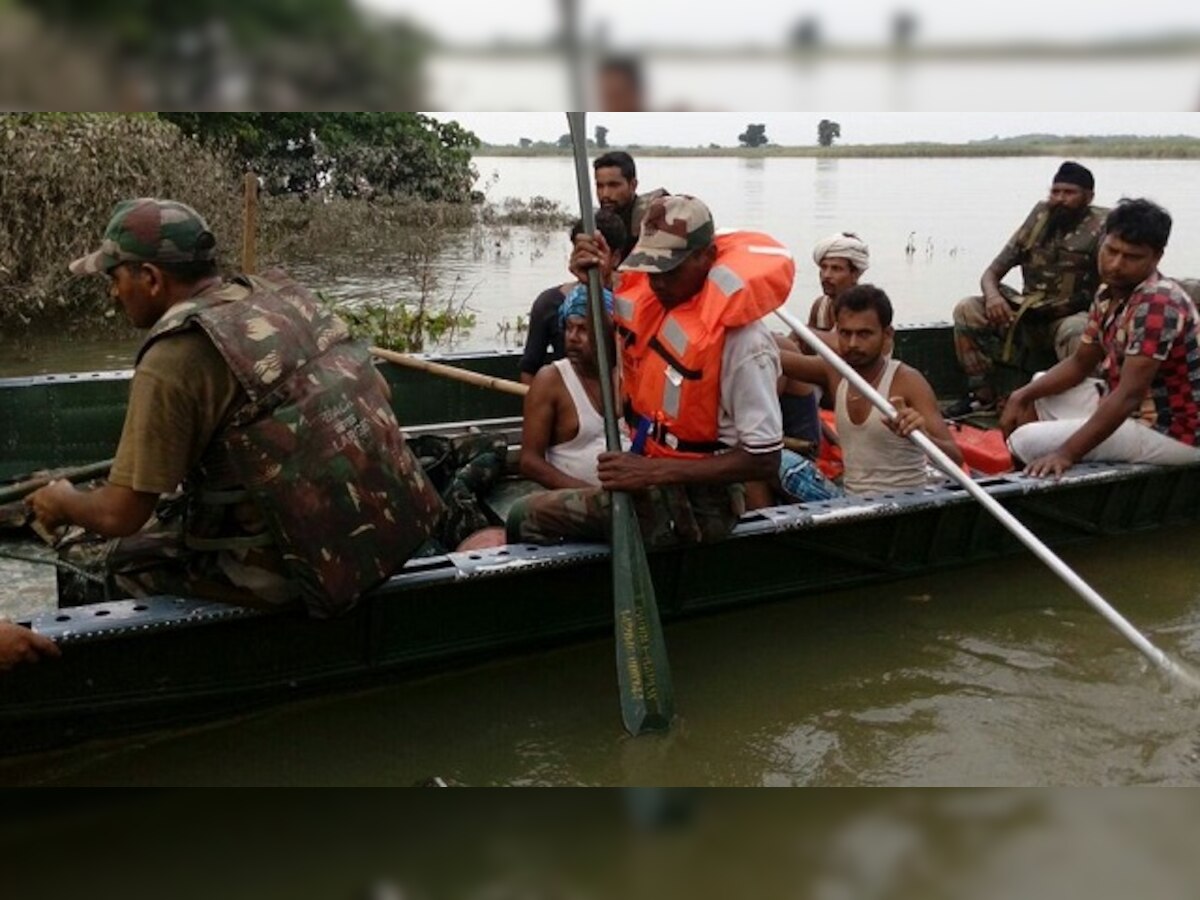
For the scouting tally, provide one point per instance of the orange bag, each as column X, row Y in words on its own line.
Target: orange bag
column 829, row 456
column 983, row 449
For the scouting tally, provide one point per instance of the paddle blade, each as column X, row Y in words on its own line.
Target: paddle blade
column 643, row 673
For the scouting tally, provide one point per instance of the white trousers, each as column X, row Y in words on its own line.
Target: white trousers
column 1061, row 415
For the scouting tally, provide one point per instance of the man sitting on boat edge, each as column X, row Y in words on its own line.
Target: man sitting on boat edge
column 1056, row 249
column 1145, row 331
column 298, row 483
column 699, row 374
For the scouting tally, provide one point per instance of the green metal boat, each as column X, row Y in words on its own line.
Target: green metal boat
column 133, row 665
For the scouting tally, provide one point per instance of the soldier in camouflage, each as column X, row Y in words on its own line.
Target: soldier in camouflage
column 296, row 482
column 1056, row 249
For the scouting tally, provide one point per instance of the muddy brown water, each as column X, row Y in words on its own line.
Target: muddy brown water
column 992, row 675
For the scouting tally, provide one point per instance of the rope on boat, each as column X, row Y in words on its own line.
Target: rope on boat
column 54, row 561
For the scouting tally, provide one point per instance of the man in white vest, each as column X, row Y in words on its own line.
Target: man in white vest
column 563, row 431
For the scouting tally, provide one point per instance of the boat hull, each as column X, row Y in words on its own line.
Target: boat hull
column 127, row 669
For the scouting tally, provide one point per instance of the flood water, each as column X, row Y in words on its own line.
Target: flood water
column 956, row 213
column 993, row 675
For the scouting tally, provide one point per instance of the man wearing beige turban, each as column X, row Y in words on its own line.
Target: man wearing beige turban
column 841, row 259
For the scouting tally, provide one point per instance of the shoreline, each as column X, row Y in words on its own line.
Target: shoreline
column 1149, row 148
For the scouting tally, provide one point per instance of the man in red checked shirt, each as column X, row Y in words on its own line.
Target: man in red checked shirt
column 1143, row 329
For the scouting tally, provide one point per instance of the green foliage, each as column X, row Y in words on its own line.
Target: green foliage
column 601, row 137
column 403, row 327
column 346, row 154
column 426, row 310
column 827, row 132
column 753, row 136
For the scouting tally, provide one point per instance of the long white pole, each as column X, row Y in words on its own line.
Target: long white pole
column 1007, row 519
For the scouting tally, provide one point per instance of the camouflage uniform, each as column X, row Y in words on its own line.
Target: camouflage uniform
column 667, row 516
column 310, row 477
column 1060, row 278
column 463, row 469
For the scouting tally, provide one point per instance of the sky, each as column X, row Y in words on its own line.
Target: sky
column 800, row 128
column 638, row 22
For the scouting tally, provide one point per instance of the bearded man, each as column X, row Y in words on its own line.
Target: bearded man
column 1056, row 248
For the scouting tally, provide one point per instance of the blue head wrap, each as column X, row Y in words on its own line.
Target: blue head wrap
column 576, row 304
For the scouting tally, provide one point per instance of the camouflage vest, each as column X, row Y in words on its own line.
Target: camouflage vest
column 1059, row 270
column 315, row 447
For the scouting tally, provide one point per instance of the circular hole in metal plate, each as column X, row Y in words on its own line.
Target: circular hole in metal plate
column 62, row 618
column 102, row 612
column 141, row 607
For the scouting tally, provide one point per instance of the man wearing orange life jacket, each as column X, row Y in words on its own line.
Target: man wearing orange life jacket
column 699, row 372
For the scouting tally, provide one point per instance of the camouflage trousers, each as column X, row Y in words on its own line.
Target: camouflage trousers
column 463, row 469
column 156, row 562
column 667, row 516
column 979, row 345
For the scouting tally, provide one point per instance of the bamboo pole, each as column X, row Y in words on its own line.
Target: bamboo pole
column 452, row 372
column 250, row 223
column 77, row 473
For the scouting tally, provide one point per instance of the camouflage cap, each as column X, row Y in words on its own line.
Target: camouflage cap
column 150, row 230
column 674, row 227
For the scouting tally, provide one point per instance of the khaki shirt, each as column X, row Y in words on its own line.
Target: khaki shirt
column 181, row 392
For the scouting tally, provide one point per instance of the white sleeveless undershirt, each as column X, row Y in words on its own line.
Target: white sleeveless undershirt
column 876, row 459
column 577, row 457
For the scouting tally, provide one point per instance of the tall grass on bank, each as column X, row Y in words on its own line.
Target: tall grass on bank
column 61, row 176
column 59, row 180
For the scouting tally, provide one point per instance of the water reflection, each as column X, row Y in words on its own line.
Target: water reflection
column 826, row 845
column 996, row 675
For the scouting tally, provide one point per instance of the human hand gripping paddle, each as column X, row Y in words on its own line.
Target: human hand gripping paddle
column 1179, row 673
column 643, row 673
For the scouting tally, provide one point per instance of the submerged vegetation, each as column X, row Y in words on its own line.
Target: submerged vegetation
column 376, row 192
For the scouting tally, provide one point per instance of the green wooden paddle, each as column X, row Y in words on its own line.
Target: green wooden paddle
column 643, row 673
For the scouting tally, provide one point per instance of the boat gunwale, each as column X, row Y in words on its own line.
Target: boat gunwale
column 109, row 620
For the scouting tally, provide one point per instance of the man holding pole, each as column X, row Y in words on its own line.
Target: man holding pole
column 699, row 373
column 878, row 455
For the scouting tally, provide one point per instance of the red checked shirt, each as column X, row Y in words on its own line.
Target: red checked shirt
column 1159, row 321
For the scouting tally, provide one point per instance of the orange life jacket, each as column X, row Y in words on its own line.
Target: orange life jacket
column 671, row 359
